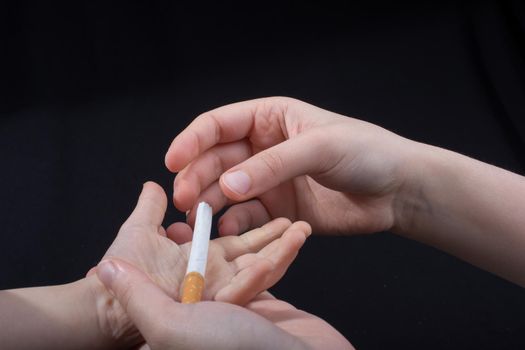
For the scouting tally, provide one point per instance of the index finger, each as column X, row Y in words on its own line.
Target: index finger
column 224, row 124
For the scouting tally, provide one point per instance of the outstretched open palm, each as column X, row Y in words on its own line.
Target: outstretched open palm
column 239, row 267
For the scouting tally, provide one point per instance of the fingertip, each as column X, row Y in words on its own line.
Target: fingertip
column 183, row 195
column 183, row 148
column 152, row 188
column 296, row 238
column 172, row 160
column 303, row 226
column 229, row 190
column 245, row 216
column 151, row 205
column 168, row 161
column 228, row 227
column 179, row 232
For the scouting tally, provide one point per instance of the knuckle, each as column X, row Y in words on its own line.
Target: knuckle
column 217, row 164
column 273, row 162
column 195, row 140
column 217, row 127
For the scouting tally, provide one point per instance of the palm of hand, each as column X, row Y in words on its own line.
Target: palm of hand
column 328, row 210
column 238, row 267
column 255, row 254
column 148, row 248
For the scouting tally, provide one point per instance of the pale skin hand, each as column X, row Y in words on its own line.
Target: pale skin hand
column 346, row 176
column 238, row 268
column 265, row 323
column 83, row 315
column 339, row 174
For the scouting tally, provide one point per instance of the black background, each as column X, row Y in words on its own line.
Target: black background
column 94, row 92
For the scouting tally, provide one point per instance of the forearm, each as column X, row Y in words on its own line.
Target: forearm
column 470, row 209
column 54, row 317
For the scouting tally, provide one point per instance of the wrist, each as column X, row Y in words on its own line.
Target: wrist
column 412, row 203
column 114, row 326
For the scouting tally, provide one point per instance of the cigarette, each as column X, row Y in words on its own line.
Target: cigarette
column 193, row 284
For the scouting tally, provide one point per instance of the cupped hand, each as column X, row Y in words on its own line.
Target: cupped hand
column 278, row 156
column 265, row 323
column 238, row 267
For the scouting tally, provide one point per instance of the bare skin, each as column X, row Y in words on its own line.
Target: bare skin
column 84, row 315
column 270, row 158
column 265, row 322
column 278, row 156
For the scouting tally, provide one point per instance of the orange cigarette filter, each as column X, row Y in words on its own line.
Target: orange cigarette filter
column 192, row 288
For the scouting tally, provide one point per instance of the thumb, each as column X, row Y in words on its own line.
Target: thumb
column 142, row 300
column 267, row 169
column 166, row 324
column 151, row 205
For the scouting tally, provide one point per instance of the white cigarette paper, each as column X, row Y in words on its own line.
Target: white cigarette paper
column 201, row 239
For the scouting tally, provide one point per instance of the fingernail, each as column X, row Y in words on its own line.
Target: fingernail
column 238, row 181
column 106, row 272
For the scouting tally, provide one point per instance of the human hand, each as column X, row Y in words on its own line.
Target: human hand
column 238, row 268
column 283, row 157
column 265, row 323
